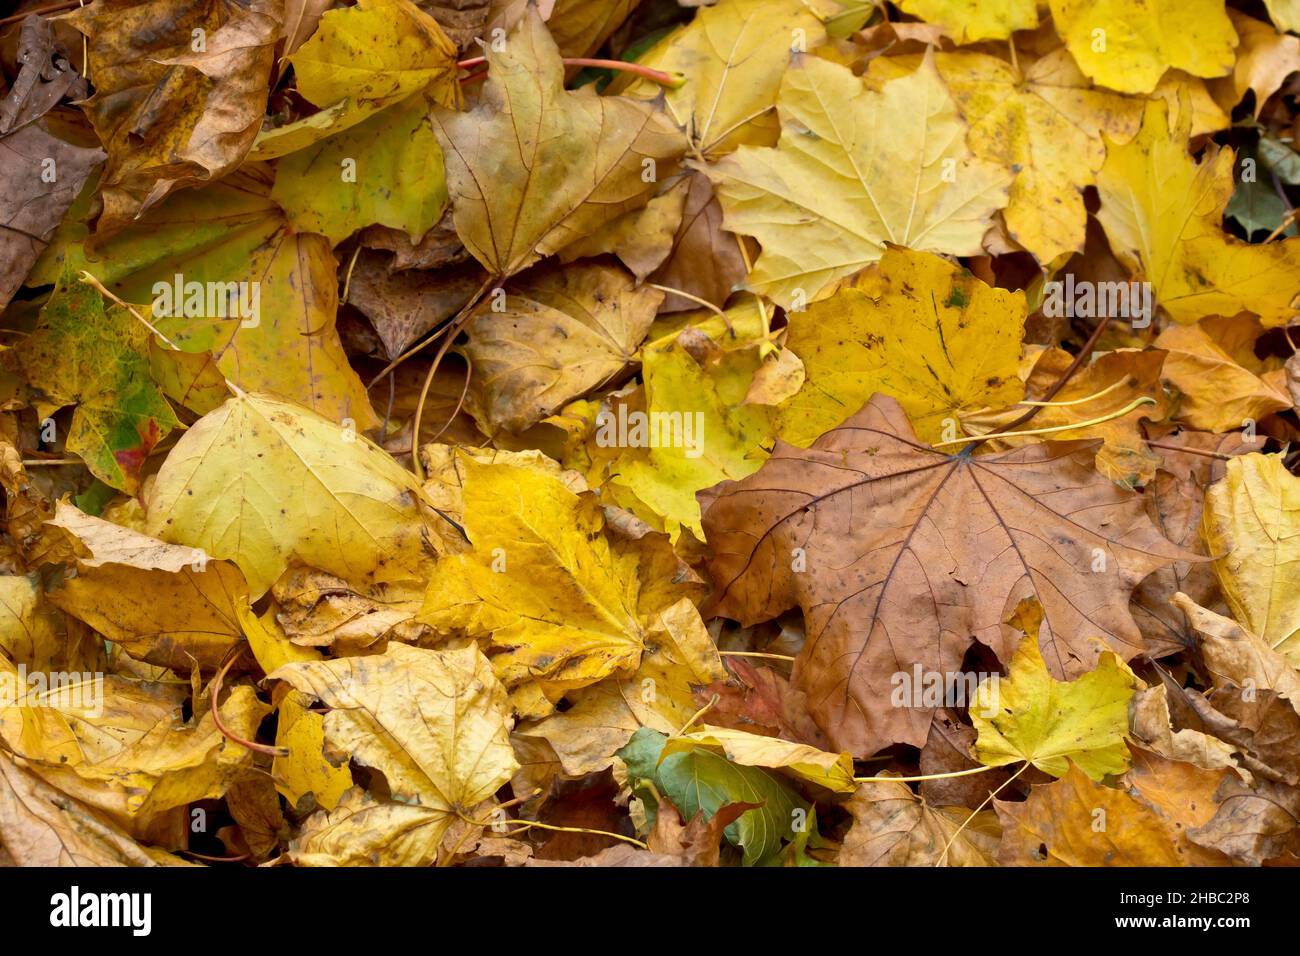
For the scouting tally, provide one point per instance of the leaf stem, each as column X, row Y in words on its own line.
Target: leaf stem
column 620, row 66
column 1080, row 401
column 1099, row 420
column 927, row 776
column 226, row 732
column 763, row 654
column 1190, row 451
column 527, row 824
column 451, row 330
column 1060, row 384
column 697, row 715
column 974, row 813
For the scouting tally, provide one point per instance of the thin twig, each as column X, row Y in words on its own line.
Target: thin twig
column 763, row 654
column 619, row 66
column 1190, row 451
column 52, row 8
column 451, row 331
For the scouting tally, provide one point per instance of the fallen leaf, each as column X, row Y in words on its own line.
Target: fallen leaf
column 557, row 334
column 866, row 514
column 1054, row 724
column 913, row 336
column 583, row 159
column 95, row 357
column 894, row 827
column 224, row 489
column 816, row 227
column 1248, row 527
column 1128, row 47
column 173, row 107
column 435, row 723
column 1161, row 211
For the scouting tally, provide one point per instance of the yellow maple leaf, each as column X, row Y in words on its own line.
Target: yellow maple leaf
column 832, row 192
column 533, row 166
column 568, row 604
column 1251, row 524
column 1161, row 212
column 435, row 723
column 732, row 56
column 1045, row 120
column 260, row 481
column 1223, row 385
column 1030, row 716
column 923, row 331
column 969, row 21
column 376, row 50
column 1128, row 46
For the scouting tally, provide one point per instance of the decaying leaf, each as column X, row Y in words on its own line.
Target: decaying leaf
column 582, row 159
column 887, row 516
column 636, row 433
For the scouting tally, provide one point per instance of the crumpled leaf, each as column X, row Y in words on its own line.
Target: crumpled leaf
column 1062, row 817
column 560, row 163
column 32, row 203
column 129, row 754
column 894, row 827
column 568, row 604
column 376, row 50
column 174, row 108
column 559, row 333
column 191, row 619
column 820, row 205
column 316, row 609
column 1117, row 379
column 435, row 723
column 41, row 827
column 1265, row 58
column 679, row 659
column 866, row 515
column 1235, row 655
column 1222, row 384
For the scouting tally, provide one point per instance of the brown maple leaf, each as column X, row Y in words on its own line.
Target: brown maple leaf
column 900, row 556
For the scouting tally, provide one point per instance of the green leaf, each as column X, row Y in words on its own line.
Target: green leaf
column 97, row 359
column 388, row 170
column 701, row 780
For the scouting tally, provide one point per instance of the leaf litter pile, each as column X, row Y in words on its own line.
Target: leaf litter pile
column 591, row 432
